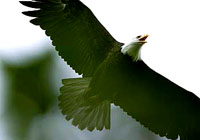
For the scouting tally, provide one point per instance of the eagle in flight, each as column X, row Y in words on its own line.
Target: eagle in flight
column 112, row 72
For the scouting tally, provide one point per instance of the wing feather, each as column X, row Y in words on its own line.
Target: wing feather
column 79, row 37
column 159, row 104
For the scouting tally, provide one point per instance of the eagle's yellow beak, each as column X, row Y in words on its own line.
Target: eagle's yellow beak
column 143, row 38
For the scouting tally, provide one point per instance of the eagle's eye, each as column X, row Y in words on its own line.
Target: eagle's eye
column 138, row 36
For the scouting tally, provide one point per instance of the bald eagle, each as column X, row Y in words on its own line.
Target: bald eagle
column 112, row 72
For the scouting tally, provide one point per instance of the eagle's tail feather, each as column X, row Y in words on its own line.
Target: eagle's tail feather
column 74, row 105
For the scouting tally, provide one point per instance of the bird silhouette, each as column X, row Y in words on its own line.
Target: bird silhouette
column 112, row 72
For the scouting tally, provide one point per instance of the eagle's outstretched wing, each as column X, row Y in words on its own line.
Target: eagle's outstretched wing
column 153, row 100
column 79, row 37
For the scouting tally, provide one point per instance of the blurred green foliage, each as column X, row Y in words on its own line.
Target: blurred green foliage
column 29, row 93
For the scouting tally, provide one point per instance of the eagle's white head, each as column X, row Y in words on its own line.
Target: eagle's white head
column 133, row 48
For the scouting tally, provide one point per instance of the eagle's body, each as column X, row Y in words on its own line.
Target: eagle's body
column 112, row 73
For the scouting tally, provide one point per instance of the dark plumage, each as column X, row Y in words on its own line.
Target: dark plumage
column 110, row 76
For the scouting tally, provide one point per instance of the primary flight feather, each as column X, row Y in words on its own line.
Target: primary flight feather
column 113, row 72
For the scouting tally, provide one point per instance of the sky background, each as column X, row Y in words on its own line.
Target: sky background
column 173, row 46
